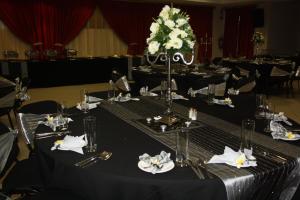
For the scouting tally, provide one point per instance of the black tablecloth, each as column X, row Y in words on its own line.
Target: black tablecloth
column 184, row 82
column 119, row 177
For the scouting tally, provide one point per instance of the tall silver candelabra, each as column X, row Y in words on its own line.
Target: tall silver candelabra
column 168, row 59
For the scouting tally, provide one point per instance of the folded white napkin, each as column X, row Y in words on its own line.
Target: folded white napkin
column 193, row 93
column 178, row 96
column 90, row 105
column 232, row 91
column 127, row 97
column 226, row 101
column 235, row 158
column 279, row 132
column 155, row 163
column 92, row 99
column 144, row 92
column 280, row 117
column 223, row 70
column 71, row 143
column 54, row 122
column 199, row 73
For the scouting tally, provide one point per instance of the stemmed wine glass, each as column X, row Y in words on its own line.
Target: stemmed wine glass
column 269, row 115
column 84, row 101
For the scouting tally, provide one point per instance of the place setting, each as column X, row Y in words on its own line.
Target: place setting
column 87, row 102
column 57, row 123
column 277, row 124
column 244, row 156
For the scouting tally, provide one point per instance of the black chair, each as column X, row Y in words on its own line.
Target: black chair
column 13, row 152
column 40, row 107
column 36, row 111
column 25, row 177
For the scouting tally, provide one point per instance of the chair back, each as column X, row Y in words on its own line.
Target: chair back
column 27, row 124
column 248, row 87
column 6, row 143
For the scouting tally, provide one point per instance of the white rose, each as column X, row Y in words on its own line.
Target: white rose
column 159, row 21
column 152, row 35
column 175, row 43
column 170, row 24
column 153, row 47
column 180, row 22
column 176, row 32
column 183, row 34
column 175, row 11
column 191, row 43
column 165, row 13
column 154, row 27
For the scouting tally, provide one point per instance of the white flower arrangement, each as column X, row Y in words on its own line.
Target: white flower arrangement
column 171, row 32
column 258, row 38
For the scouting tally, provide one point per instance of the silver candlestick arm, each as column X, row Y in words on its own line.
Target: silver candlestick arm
column 179, row 56
column 162, row 56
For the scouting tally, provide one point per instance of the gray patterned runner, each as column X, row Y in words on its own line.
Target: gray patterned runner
column 277, row 173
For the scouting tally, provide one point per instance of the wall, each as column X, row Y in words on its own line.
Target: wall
column 282, row 28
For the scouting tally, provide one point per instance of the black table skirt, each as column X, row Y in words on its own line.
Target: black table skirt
column 119, row 177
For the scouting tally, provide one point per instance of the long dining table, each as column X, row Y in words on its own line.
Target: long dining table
column 120, row 129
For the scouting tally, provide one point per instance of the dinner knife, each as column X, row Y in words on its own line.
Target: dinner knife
column 50, row 134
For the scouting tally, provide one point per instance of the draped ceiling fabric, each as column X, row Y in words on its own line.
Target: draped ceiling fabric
column 46, row 21
column 238, row 32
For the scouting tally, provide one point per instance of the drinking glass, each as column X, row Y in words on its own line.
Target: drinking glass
column 210, row 94
column 260, row 106
column 111, row 93
column 182, row 147
column 248, row 127
column 84, row 101
column 62, row 120
column 163, row 89
column 89, row 128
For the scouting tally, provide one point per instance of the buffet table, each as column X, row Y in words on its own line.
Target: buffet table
column 120, row 131
column 51, row 73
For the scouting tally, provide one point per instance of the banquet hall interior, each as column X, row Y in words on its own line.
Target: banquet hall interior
column 221, row 120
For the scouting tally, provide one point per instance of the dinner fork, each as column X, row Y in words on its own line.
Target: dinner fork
column 51, row 134
column 104, row 155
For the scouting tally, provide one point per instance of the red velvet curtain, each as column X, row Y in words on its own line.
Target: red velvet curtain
column 201, row 19
column 131, row 22
column 46, row 21
column 238, row 32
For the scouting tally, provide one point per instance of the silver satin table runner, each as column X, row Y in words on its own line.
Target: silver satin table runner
column 277, row 173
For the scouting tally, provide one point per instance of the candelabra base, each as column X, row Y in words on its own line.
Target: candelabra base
column 169, row 119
